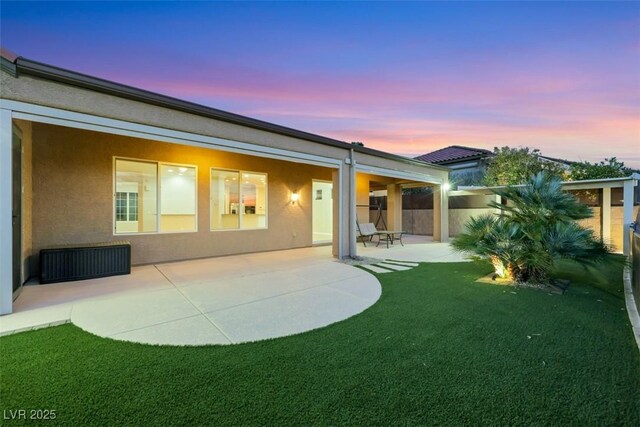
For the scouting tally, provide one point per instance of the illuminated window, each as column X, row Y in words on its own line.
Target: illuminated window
column 144, row 204
column 238, row 200
column 177, row 198
column 136, row 197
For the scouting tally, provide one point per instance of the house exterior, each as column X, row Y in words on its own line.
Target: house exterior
column 85, row 160
column 468, row 164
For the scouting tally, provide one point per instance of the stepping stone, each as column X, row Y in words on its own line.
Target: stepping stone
column 375, row 269
column 403, row 263
column 394, row 266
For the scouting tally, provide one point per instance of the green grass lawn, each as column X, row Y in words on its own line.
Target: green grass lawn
column 437, row 348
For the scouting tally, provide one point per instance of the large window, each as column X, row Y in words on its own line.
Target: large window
column 145, row 204
column 238, row 200
column 177, row 198
column 136, row 196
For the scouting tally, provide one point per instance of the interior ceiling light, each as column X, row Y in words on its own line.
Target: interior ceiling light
column 182, row 169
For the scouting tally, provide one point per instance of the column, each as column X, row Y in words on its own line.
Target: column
column 341, row 200
column 627, row 215
column 606, row 216
column 441, row 213
column 6, row 232
column 394, row 207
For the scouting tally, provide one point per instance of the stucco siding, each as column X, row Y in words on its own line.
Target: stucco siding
column 53, row 94
column 73, row 196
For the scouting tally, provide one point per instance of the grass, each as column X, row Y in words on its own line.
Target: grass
column 438, row 348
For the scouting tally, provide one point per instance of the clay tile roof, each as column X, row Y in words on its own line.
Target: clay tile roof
column 453, row 152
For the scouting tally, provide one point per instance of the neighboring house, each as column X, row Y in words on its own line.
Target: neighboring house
column 85, row 160
column 468, row 163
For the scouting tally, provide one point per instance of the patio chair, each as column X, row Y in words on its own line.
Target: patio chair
column 368, row 230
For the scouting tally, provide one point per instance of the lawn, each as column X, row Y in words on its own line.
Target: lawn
column 438, row 348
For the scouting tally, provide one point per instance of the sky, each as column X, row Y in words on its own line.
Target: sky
column 406, row 78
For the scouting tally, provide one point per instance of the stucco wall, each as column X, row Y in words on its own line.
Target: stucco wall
column 420, row 221
column 73, row 196
column 617, row 230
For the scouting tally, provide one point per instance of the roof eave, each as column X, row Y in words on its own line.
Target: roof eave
column 61, row 75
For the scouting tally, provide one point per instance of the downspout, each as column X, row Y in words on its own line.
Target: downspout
column 352, row 204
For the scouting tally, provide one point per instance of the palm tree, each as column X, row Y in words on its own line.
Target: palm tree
column 532, row 232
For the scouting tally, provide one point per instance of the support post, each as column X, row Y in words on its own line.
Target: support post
column 6, row 214
column 627, row 215
column 394, row 207
column 353, row 247
column 441, row 213
column 606, row 216
column 338, row 196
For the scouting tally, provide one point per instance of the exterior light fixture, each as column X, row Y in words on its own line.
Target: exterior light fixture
column 294, row 197
column 446, row 186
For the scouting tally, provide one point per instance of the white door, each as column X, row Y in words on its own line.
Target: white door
column 322, row 211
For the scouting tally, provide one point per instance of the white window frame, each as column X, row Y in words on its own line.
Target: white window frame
column 240, row 205
column 158, row 163
column 128, row 206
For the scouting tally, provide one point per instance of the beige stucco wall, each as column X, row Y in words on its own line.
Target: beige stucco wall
column 420, row 221
column 617, row 230
column 73, row 196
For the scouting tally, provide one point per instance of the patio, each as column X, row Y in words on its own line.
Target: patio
column 224, row 300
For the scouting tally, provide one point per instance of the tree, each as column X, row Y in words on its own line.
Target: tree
column 609, row 168
column 536, row 228
column 512, row 166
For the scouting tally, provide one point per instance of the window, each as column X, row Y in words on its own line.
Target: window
column 238, row 200
column 178, row 198
column 136, row 197
column 146, row 204
column 126, row 206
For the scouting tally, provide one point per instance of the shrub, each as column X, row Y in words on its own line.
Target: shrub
column 537, row 227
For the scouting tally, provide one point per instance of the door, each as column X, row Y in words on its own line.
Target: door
column 16, row 203
column 322, row 211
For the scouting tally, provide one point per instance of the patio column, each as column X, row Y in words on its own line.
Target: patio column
column 342, row 212
column 440, row 213
column 498, row 199
column 6, row 233
column 394, row 207
column 606, row 216
column 627, row 215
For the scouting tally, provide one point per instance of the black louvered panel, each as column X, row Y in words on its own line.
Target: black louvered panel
column 86, row 262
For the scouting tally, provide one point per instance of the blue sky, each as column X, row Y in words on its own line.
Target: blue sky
column 403, row 77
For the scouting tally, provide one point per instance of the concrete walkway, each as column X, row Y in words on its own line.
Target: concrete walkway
column 224, row 300
column 211, row 301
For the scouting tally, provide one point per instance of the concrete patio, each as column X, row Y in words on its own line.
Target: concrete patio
column 224, row 300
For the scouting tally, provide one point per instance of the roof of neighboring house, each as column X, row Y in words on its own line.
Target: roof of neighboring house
column 454, row 153
column 18, row 65
column 459, row 153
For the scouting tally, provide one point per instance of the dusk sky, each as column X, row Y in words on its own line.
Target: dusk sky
column 407, row 78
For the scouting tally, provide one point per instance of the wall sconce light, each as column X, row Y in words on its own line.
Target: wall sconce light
column 294, row 197
column 446, row 186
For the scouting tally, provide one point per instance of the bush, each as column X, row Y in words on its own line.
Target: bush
column 536, row 228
